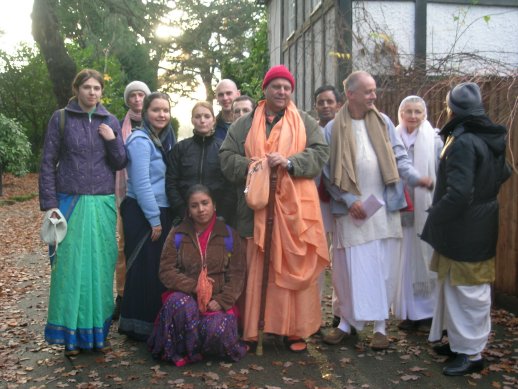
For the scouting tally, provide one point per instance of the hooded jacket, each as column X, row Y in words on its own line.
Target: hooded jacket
column 463, row 221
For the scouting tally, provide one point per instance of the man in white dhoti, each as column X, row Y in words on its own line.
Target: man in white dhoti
column 367, row 159
column 462, row 227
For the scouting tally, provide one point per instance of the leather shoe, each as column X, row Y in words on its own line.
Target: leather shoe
column 334, row 336
column 379, row 342
column 462, row 365
column 443, row 349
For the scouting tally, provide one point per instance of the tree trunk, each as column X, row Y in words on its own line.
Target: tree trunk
column 1, row 181
column 206, row 78
column 61, row 68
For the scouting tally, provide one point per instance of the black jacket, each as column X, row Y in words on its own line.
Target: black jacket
column 195, row 161
column 463, row 221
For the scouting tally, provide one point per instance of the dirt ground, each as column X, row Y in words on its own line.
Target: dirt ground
column 27, row 361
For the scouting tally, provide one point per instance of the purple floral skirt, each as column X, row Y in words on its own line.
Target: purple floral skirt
column 182, row 334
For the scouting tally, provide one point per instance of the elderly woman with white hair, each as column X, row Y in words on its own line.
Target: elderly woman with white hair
column 415, row 299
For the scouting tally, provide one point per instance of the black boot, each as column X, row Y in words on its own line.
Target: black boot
column 462, row 365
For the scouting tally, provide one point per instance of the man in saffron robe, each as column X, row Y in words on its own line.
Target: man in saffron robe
column 291, row 141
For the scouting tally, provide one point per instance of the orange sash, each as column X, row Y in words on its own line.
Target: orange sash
column 299, row 247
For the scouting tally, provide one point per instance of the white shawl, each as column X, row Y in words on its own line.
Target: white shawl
column 425, row 164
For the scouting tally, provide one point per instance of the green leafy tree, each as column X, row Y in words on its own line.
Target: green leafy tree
column 213, row 32
column 123, row 29
column 114, row 80
column 248, row 73
column 26, row 94
column 176, row 126
column 45, row 30
column 15, row 149
column 26, row 90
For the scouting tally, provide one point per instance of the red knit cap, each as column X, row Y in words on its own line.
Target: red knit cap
column 279, row 71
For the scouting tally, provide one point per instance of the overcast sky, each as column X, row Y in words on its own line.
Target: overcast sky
column 16, row 24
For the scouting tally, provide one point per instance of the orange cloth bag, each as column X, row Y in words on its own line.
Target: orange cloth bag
column 257, row 188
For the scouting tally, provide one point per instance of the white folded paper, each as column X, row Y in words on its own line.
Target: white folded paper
column 370, row 207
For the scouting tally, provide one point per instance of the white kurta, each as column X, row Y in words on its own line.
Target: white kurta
column 364, row 256
column 382, row 224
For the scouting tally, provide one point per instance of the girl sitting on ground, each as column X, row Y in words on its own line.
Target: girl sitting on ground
column 203, row 266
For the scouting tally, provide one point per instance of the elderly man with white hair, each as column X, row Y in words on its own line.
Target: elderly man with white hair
column 366, row 161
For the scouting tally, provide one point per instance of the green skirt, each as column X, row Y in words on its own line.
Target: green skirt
column 81, row 285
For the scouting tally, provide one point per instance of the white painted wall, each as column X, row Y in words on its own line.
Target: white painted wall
column 395, row 19
column 452, row 31
column 275, row 31
column 495, row 40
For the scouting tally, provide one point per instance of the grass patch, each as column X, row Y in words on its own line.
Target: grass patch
column 22, row 198
column 18, row 199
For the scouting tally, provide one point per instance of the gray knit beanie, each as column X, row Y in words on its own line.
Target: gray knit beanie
column 465, row 99
column 134, row 86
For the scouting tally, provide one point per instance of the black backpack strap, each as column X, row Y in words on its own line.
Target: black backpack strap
column 62, row 119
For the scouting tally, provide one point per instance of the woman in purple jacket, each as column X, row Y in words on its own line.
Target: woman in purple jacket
column 83, row 148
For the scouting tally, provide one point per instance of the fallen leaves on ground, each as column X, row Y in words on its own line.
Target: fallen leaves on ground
column 27, row 361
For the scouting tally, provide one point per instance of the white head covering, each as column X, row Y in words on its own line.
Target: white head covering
column 408, row 138
column 411, row 99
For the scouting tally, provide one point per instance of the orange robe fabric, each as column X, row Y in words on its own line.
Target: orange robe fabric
column 298, row 250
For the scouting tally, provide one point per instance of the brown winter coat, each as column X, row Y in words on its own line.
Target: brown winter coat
column 228, row 270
